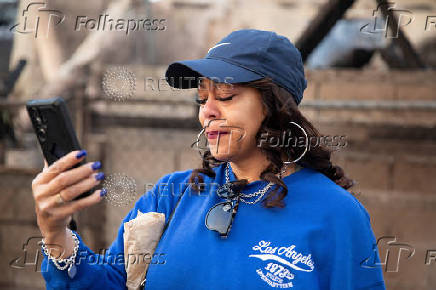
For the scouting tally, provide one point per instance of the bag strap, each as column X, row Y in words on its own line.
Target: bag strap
column 164, row 229
column 171, row 215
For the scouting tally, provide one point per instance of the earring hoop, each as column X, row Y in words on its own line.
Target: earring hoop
column 197, row 141
column 305, row 149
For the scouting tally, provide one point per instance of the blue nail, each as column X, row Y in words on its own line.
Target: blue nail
column 103, row 192
column 96, row 165
column 81, row 154
column 99, row 176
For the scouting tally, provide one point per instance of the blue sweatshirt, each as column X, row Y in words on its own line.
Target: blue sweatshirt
column 321, row 239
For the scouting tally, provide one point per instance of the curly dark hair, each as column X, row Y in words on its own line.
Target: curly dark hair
column 281, row 110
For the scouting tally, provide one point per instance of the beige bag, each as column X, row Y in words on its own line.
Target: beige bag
column 141, row 236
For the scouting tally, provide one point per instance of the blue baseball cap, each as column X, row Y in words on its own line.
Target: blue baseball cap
column 243, row 56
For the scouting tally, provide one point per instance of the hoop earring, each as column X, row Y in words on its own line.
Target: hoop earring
column 305, row 149
column 197, row 141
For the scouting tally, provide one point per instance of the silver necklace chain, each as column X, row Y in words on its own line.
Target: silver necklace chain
column 260, row 193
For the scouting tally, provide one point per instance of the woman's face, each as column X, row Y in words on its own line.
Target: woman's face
column 231, row 116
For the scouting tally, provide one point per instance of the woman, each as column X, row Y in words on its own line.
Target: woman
column 257, row 215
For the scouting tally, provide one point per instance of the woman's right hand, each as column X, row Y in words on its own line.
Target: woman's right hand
column 54, row 190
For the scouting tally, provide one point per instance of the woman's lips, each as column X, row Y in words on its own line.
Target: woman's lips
column 214, row 134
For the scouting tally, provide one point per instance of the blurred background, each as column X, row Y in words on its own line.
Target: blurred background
column 370, row 69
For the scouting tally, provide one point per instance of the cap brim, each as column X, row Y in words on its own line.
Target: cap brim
column 185, row 74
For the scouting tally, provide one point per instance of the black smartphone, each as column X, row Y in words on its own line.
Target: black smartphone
column 54, row 130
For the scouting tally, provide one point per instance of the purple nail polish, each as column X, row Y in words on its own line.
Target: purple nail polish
column 81, row 154
column 96, row 165
column 99, row 176
column 103, row 192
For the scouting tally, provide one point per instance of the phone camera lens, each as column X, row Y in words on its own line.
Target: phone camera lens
column 42, row 136
column 34, row 112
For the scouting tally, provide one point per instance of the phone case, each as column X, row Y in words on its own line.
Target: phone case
column 54, row 129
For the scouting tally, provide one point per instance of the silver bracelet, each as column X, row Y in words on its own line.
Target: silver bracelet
column 68, row 262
